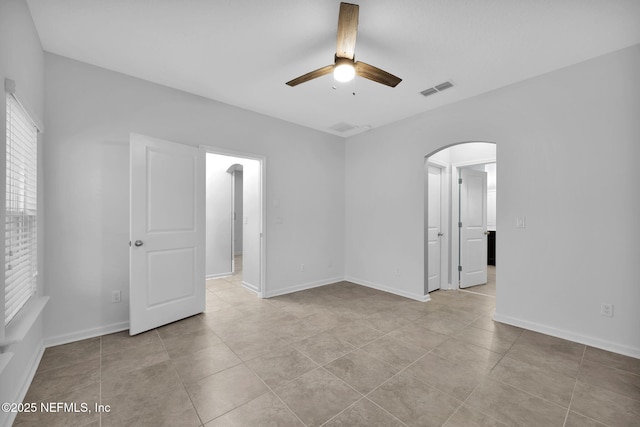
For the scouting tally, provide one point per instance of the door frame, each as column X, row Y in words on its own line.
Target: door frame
column 455, row 208
column 262, row 160
column 445, row 177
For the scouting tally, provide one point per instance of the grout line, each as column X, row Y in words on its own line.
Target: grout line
column 575, row 385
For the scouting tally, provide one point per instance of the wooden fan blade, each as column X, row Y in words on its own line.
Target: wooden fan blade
column 312, row 75
column 347, row 30
column 376, row 74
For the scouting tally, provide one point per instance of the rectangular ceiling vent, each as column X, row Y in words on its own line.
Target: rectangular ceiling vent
column 437, row 88
column 342, row 127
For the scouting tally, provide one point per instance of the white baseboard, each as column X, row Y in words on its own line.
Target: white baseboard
column 218, row 275
column 302, row 287
column 251, row 287
column 26, row 381
column 569, row 335
column 389, row 289
column 86, row 333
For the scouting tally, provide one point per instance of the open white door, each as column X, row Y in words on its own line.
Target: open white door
column 434, row 227
column 167, row 254
column 473, row 232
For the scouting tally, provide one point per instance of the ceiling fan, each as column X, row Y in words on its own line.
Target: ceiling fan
column 345, row 67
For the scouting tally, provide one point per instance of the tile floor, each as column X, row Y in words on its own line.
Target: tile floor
column 338, row 355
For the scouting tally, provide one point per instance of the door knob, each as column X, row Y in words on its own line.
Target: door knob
column 138, row 243
column 440, row 234
column 486, row 233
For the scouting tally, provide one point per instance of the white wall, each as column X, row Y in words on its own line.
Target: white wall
column 237, row 209
column 580, row 245
column 91, row 111
column 22, row 60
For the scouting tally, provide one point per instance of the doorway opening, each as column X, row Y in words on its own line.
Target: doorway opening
column 234, row 220
column 460, row 218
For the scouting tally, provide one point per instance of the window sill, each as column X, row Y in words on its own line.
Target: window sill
column 19, row 327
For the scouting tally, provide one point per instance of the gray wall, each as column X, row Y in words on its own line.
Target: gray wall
column 91, row 111
column 568, row 149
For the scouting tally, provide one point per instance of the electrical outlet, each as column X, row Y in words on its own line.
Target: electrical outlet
column 606, row 309
column 115, row 296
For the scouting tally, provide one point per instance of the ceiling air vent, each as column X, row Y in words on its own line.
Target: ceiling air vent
column 437, row 88
column 342, row 127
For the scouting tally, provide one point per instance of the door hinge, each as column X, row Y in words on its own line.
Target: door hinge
column 129, row 243
column 459, row 268
column 460, row 224
column 459, row 180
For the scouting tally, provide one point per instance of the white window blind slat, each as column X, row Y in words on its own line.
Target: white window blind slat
column 21, row 209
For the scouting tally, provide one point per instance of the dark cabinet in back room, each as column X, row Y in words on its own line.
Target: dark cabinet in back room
column 491, row 249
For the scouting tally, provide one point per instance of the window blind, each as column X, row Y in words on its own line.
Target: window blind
column 20, row 253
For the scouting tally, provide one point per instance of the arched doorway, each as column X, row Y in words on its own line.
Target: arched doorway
column 460, row 217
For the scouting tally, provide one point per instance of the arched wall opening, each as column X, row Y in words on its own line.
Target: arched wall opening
column 460, row 218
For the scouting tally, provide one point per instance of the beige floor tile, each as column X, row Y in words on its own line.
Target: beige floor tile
column 616, row 380
column 323, row 347
column 548, row 352
column 487, row 323
column 448, row 346
column 385, row 321
column 178, row 346
column 460, row 352
column 613, row 360
column 456, row 379
column 58, row 381
column 69, row 354
column 577, row 420
column 133, row 358
column 490, row 340
column 120, row 341
column 551, row 386
column 364, row 414
column 605, row 406
column 252, row 345
column 195, row 366
column 82, row 413
column 437, row 323
column 515, row 407
column 222, row 392
column 356, row 333
column 317, row 396
column 149, row 396
column 414, row 402
column 265, row 411
column 469, row 417
column 417, row 335
column 281, row 366
column 361, row 370
column 395, row 352
column 218, row 284
column 184, row 326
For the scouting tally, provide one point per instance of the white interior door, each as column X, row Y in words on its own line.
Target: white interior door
column 473, row 232
column 434, row 228
column 167, row 277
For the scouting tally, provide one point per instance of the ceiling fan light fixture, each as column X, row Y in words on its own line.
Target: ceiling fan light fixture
column 344, row 70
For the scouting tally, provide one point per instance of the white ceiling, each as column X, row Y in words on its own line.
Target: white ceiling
column 242, row 52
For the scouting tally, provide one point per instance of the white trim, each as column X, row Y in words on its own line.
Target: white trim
column 569, row 335
column 302, row 287
column 27, row 379
column 20, row 326
column 218, row 275
column 391, row 290
column 251, row 287
column 86, row 333
column 263, row 211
